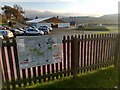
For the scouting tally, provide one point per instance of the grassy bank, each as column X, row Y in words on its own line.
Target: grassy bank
column 103, row 78
column 3, row 24
column 93, row 29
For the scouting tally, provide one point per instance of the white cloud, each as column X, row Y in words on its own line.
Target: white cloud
column 40, row 0
column 84, row 7
column 95, row 7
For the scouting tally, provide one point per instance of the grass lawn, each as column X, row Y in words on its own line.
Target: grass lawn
column 93, row 29
column 103, row 78
column 3, row 24
column 112, row 28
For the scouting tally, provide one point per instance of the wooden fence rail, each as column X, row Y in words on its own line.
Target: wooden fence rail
column 80, row 53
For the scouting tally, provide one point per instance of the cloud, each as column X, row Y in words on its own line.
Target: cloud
column 39, row 0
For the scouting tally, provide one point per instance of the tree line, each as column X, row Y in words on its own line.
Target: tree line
column 15, row 11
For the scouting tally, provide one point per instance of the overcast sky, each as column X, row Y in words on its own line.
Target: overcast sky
column 75, row 7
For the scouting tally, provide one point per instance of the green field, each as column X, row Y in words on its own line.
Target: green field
column 93, row 29
column 98, row 28
column 112, row 28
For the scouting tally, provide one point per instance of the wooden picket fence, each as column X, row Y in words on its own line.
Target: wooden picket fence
column 80, row 54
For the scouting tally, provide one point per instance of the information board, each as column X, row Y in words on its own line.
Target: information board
column 38, row 50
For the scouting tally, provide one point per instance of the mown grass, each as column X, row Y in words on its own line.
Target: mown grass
column 102, row 78
column 112, row 28
column 93, row 29
column 3, row 24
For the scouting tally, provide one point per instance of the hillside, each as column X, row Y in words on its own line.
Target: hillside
column 106, row 19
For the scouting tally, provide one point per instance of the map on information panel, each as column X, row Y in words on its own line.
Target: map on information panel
column 36, row 51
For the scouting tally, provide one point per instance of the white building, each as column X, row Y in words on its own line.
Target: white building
column 51, row 21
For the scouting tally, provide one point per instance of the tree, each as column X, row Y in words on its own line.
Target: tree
column 16, row 11
column 36, row 17
column 7, row 11
column 18, row 8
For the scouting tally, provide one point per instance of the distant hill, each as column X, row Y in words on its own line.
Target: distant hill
column 109, row 19
column 106, row 19
column 42, row 14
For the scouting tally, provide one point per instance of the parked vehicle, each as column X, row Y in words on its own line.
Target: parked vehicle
column 1, row 36
column 6, row 33
column 28, row 27
column 17, row 32
column 34, row 27
column 31, row 31
column 45, row 26
column 7, row 27
column 44, row 29
column 50, row 28
column 21, row 29
column 2, row 28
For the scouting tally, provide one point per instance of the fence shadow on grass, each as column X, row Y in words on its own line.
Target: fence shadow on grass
column 103, row 78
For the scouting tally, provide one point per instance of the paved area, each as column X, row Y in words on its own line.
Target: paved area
column 76, row 32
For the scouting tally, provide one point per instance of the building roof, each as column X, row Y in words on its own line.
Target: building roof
column 37, row 20
column 47, row 20
column 53, row 20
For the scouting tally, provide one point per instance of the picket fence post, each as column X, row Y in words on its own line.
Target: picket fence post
column 74, row 56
